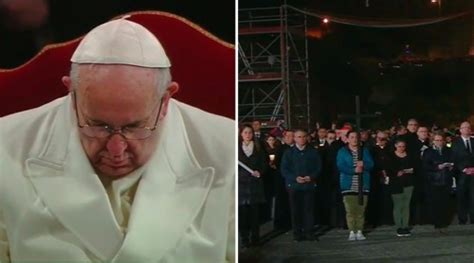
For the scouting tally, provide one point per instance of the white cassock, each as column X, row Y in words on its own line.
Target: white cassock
column 53, row 207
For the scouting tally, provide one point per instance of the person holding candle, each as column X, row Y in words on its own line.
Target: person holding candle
column 301, row 166
column 401, row 172
column 251, row 193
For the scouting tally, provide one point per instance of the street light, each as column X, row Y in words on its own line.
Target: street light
column 439, row 3
column 325, row 20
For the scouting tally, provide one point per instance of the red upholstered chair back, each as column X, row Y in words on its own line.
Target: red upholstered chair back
column 202, row 64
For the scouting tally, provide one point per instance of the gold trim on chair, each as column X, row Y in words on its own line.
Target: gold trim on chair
column 182, row 19
column 44, row 49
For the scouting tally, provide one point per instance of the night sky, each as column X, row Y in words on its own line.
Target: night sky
column 350, row 60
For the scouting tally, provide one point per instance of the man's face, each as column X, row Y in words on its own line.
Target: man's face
column 364, row 136
column 465, row 129
column 256, row 126
column 438, row 141
column 382, row 139
column 331, row 137
column 322, row 133
column 402, row 131
column 412, row 126
column 119, row 96
column 300, row 138
column 352, row 139
column 422, row 133
column 289, row 138
column 393, row 130
column 343, row 136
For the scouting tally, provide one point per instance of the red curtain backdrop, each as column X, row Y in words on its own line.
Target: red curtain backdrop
column 203, row 65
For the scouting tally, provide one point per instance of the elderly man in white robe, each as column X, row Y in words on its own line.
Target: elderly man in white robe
column 117, row 171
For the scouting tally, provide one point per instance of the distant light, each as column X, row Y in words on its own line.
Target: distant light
column 314, row 33
column 434, row 1
column 325, row 20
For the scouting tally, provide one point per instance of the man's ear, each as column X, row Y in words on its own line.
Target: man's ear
column 67, row 82
column 170, row 91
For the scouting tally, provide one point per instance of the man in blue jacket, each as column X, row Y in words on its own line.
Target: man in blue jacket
column 300, row 167
column 353, row 160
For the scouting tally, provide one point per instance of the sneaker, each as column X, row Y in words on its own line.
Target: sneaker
column 399, row 232
column 360, row 236
column 352, row 236
column 406, row 232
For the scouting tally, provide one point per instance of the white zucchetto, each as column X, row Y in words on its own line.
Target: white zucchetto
column 121, row 42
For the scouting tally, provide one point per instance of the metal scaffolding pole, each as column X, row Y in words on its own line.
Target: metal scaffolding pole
column 273, row 66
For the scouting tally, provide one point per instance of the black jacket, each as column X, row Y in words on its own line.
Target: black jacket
column 250, row 187
column 331, row 166
column 431, row 160
column 462, row 158
column 381, row 158
column 396, row 164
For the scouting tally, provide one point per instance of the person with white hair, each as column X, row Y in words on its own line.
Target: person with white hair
column 463, row 158
column 117, row 171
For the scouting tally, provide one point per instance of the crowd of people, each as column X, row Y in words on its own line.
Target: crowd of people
column 404, row 176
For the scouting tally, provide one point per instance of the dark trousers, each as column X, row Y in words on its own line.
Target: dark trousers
column 385, row 205
column 302, row 213
column 282, row 219
column 249, row 225
column 322, row 206
column 338, row 211
column 373, row 210
column 439, row 205
column 419, row 207
column 465, row 196
column 268, row 188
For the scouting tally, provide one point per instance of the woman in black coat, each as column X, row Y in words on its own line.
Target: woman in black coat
column 251, row 194
column 401, row 170
column 438, row 168
column 274, row 155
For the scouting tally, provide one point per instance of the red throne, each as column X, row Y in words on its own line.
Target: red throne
column 202, row 64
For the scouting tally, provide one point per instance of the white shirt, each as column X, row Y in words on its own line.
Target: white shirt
column 467, row 143
column 248, row 148
column 121, row 193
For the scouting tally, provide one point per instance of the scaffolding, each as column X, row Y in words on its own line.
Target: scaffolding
column 273, row 66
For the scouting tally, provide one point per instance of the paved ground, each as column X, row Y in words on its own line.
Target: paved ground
column 381, row 245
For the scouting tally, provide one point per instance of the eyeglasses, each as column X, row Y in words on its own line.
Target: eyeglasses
column 105, row 131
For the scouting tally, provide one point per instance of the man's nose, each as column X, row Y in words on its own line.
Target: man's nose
column 116, row 146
